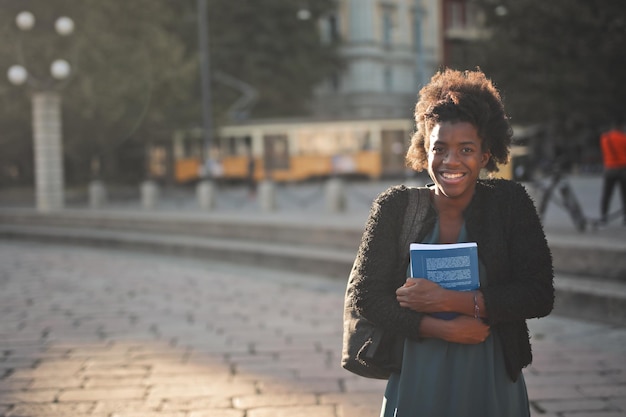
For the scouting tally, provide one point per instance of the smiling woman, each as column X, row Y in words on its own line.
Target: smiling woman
column 469, row 365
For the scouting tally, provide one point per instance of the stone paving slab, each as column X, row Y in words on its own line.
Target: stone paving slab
column 96, row 333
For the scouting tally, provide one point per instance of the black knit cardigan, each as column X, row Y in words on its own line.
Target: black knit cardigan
column 503, row 221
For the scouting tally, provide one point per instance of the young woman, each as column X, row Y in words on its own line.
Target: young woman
column 470, row 365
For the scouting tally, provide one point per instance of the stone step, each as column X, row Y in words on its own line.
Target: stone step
column 589, row 298
column 310, row 259
column 589, row 255
column 574, row 254
column 249, row 229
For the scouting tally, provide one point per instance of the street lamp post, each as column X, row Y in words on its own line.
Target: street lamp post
column 205, row 79
column 46, row 120
column 206, row 189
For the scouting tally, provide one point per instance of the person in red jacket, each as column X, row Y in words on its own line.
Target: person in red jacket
column 613, row 145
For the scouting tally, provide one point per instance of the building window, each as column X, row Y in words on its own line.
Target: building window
column 335, row 82
column 388, row 23
column 333, row 26
column 329, row 29
column 455, row 14
column 388, row 79
column 418, row 17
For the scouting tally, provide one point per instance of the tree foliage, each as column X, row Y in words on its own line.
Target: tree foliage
column 136, row 72
column 558, row 61
column 266, row 46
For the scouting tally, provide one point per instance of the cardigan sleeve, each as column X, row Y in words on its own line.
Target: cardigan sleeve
column 528, row 290
column 378, row 269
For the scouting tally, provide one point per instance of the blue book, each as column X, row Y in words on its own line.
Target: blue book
column 453, row 266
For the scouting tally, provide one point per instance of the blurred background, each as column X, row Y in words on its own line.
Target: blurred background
column 290, row 90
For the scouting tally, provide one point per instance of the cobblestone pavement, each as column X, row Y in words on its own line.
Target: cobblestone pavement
column 87, row 332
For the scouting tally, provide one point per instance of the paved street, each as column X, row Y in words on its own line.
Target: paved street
column 88, row 332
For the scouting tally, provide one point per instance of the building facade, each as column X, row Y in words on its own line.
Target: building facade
column 391, row 48
column 462, row 24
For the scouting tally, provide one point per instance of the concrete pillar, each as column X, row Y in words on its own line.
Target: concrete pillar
column 48, row 150
column 335, row 195
column 149, row 194
column 267, row 195
column 205, row 192
column 97, row 194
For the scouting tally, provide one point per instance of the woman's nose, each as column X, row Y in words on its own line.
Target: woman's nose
column 450, row 157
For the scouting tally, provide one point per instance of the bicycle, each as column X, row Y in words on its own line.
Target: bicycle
column 566, row 199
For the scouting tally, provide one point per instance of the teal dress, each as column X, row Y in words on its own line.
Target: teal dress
column 443, row 379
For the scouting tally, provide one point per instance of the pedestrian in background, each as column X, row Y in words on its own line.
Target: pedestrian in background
column 613, row 145
column 472, row 364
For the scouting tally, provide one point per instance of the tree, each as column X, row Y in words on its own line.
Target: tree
column 265, row 45
column 558, row 61
column 136, row 72
column 128, row 75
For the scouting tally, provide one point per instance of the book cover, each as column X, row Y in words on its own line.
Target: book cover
column 452, row 266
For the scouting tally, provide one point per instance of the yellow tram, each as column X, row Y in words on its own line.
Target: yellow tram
column 297, row 150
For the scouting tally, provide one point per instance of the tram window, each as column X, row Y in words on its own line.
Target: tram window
column 348, row 142
column 313, row 143
column 332, row 142
column 236, row 145
column 187, row 147
column 366, row 141
column 243, row 145
column 178, row 148
column 232, row 146
column 193, row 148
column 276, row 151
column 157, row 162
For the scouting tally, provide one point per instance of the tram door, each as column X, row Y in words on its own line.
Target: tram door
column 275, row 153
column 392, row 152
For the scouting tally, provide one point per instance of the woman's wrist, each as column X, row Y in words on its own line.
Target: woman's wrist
column 447, row 301
column 476, row 306
column 431, row 327
column 463, row 302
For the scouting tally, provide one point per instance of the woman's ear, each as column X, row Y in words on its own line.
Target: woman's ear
column 485, row 159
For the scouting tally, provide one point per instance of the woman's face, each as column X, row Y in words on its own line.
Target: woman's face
column 455, row 158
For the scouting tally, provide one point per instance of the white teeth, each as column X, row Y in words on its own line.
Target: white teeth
column 451, row 175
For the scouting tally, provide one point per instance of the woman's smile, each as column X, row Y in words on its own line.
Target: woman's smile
column 451, row 176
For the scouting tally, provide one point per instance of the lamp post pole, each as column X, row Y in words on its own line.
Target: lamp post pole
column 46, row 121
column 205, row 77
column 205, row 190
column 48, row 150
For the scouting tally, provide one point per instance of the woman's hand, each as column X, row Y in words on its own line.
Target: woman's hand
column 425, row 296
column 461, row 329
column 421, row 295
column 467, row 330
